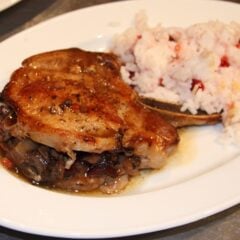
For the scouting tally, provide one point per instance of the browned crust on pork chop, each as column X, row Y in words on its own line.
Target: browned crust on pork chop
column 89, row 109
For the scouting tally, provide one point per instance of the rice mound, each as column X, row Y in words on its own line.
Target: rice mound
column 197, row 67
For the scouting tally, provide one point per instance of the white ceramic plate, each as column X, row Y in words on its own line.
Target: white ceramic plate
column 4, row 4
column 200, row 180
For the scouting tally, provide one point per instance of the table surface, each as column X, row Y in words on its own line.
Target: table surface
column 224, row 225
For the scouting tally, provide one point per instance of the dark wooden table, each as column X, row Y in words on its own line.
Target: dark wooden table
column 222, row 226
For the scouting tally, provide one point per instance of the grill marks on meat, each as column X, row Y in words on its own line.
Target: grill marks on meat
column 67, row 102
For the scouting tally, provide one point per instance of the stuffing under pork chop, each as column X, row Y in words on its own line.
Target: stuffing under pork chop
column 69, row 121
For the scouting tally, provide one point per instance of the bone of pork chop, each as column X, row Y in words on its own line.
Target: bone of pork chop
column 74, row 100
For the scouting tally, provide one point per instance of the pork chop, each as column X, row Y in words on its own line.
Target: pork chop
column 75, row 101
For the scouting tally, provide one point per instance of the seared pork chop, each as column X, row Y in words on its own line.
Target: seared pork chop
column 75, row 102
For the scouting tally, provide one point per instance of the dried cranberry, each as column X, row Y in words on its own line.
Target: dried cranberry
column 198, row 83
column 160, row 83
column 224, row 61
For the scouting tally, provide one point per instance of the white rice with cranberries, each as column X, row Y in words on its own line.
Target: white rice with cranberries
column 197, row 67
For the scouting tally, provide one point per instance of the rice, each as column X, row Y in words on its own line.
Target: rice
column 197, row 67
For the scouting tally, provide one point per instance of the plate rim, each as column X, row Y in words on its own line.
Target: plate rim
column 224, row 206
